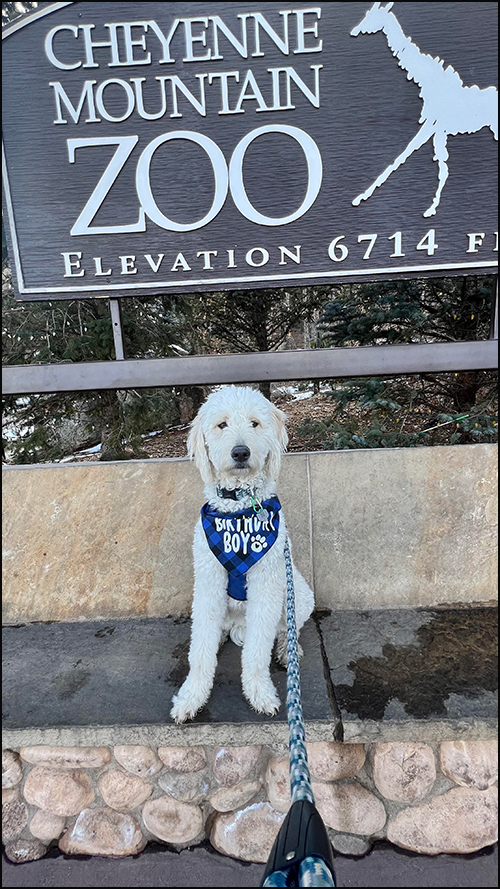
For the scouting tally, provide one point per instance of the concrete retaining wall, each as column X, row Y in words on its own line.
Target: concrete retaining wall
column 369, row 529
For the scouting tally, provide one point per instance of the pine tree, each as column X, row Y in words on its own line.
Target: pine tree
column 253, row 320
column 80, row 330
column 397, row 411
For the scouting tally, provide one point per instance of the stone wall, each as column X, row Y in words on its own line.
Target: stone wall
column 425, row 797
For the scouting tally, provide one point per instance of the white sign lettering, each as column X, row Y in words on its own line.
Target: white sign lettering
column 223, row 178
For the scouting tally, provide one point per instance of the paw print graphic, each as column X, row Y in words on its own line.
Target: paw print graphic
column 258, row 543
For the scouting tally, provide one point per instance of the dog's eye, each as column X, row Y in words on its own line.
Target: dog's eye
column 254, row 423
column 222, row 425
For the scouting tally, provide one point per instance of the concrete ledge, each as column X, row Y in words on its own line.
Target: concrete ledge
column 424, row 674
column 399, row 675
column 100, row 683
column 370, row 529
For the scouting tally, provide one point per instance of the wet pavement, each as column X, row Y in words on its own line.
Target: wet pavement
column 364, row 674
column 419, row 665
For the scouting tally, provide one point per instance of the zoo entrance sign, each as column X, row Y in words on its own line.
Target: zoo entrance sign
column 179, row 147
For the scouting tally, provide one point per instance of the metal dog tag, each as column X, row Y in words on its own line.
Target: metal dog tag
column 262, row 515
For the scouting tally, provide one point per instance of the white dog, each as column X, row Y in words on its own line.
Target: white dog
column 237, row 440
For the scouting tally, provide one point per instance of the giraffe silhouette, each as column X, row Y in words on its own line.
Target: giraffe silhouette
column 448, row 107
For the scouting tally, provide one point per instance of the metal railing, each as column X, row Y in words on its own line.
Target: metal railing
column 249, row 367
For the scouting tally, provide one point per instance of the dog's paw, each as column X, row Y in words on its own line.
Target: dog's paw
column 263, row 697
column 237, row 634
column 184, row 707
column 180, row 712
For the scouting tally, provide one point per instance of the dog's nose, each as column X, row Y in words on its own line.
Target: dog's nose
column 240, row 453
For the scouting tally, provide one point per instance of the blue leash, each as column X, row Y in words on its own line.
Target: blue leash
column 302, row 852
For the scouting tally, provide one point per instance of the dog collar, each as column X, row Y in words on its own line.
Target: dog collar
column 235, row 494
column 241, row 494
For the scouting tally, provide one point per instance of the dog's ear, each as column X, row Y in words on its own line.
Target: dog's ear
column 278, row 422
column 197, row 449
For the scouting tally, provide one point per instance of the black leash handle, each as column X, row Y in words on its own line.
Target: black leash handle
column 302, row 852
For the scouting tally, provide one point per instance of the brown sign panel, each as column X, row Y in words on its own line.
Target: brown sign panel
column 179, row 147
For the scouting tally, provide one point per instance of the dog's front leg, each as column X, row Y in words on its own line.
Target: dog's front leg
column 264, row 607
column 208, row 613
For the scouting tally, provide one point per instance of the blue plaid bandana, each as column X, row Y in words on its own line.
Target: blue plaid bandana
column 239, row 539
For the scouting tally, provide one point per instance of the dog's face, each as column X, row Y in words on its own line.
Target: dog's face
column 237, row 435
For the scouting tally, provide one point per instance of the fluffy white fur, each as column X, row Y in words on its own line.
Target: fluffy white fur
column 236, row 416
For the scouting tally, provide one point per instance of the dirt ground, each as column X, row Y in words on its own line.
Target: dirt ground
column 173, row 442
column 298, row 404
